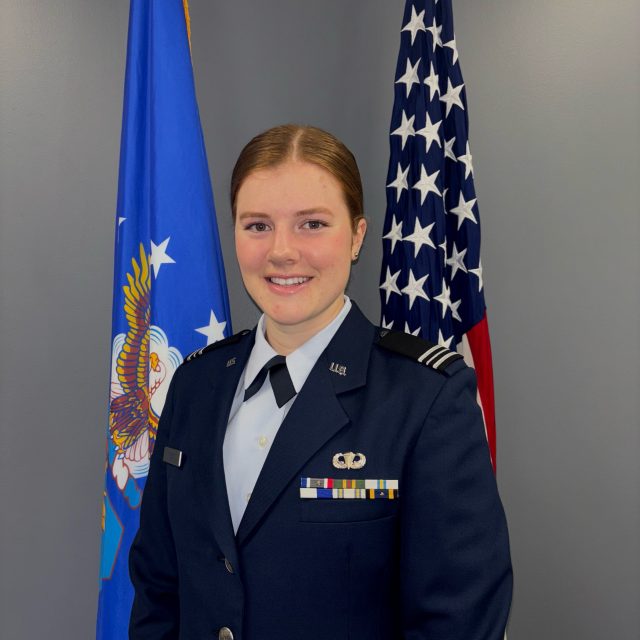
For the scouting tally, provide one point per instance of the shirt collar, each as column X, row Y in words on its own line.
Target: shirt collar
column 299, row 362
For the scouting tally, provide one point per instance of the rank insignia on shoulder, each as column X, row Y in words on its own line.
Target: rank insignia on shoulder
column 230, row 340
column 431, row 355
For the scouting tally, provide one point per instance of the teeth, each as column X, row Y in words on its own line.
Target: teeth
column 288, row 281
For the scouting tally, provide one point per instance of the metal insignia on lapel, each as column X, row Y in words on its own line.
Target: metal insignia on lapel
column 340, row 369
column 231, row 362
column 349, row 460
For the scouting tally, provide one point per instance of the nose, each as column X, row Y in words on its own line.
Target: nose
column 284, row 249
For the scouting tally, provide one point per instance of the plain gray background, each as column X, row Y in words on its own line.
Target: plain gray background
column 554, row 102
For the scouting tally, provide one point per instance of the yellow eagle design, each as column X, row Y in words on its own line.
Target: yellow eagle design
column 131, row 415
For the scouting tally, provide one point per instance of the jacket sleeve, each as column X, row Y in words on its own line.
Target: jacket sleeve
column 152, row 559
column 455, row 565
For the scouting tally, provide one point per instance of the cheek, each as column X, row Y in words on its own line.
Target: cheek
column 335, row 254
column 247, row 254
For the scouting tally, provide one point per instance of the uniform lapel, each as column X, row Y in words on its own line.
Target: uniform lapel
column 315, row 416
column 212, row 414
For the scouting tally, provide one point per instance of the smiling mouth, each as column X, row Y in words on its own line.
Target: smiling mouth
column 288, row 282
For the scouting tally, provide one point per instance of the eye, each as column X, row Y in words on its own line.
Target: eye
column 314, row 224
column 257, row 227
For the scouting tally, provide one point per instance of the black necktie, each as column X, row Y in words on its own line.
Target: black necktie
column 281, row 384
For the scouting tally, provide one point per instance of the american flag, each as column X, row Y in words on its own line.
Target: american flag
column 431, row 279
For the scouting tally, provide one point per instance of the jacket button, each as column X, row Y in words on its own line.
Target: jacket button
column 225, row 634
column 229, row 568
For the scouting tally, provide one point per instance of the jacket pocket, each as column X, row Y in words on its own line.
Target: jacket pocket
column 347, row 510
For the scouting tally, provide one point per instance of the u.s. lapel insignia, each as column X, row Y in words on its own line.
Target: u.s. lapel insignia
column 340, row 369
column 349, row 460
column 231, row 362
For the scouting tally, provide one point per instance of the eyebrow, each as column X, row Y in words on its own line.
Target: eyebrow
column 298, row 214
column 314, row 210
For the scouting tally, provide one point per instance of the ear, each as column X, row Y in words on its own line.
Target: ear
column 358, row 236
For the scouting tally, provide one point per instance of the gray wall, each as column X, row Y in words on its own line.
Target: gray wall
column 554, row 102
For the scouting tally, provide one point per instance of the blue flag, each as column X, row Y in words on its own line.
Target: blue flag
column 169, row 290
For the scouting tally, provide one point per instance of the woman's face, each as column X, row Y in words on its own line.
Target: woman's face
column 294, row 243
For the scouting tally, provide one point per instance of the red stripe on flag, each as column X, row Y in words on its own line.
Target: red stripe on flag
column 480, row 346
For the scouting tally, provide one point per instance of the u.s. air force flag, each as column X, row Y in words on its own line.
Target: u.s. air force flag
column 431, row 281
column 169, row 292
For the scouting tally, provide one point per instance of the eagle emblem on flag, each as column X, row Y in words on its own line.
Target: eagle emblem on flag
column 142, row 366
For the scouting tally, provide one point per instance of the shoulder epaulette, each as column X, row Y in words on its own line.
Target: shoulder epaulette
column 230, row 340
column 429, row 354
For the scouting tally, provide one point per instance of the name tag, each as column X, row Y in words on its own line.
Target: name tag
column 345, row 489
column 172, row 456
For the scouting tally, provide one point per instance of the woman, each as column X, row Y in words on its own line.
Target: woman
column 313, row 478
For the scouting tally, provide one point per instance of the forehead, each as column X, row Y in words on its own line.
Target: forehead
column 291, row 185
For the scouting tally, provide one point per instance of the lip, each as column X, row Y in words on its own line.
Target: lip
column 286, row 289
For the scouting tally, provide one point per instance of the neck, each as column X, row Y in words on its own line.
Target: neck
column 287, row 338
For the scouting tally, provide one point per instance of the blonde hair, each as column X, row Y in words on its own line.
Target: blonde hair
column 309, row 144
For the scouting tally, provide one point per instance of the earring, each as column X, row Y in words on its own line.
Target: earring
column 355, row 256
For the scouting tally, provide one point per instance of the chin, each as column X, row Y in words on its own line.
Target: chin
column 303, row 317
column 287, row 309
column 300, row 309
column 287, row 319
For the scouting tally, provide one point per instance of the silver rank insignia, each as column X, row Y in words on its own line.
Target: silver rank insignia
column 349, row 460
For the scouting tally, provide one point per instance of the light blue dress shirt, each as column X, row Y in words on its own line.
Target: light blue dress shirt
column 253, row 424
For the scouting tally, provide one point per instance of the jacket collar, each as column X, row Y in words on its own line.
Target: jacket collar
column 302, row 359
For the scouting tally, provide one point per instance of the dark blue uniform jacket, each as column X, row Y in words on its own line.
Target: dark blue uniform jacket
column 430, row 564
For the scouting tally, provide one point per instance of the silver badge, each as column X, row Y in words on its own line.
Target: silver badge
column 349, row 460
